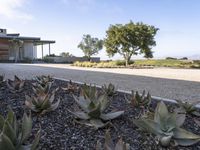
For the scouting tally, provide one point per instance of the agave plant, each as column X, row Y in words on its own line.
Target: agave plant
column 166, row 126
column 42, row 102
column 109, row 145
column 43, row 80
column 189, row 107
column 138, row 100
column 92, row 113
column 109, row 90
column 16, row 85
column 14, row 135
column 71, row 87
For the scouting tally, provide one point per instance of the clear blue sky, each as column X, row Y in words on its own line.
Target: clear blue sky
column 67, row 20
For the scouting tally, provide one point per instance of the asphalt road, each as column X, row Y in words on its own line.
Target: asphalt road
column 123, row 78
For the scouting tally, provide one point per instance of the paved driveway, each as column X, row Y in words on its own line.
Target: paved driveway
column 125, row 79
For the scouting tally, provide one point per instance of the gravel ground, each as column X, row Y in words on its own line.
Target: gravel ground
column 60, row 132
column 161, row 87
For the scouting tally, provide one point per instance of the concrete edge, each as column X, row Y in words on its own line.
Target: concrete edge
column 128, row 92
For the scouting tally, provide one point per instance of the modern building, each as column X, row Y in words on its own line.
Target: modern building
column 15, row 47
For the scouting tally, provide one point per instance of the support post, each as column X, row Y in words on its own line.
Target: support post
column 49, row 49
column 42, row 52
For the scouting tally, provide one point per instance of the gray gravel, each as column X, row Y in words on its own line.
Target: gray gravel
column 166, row 88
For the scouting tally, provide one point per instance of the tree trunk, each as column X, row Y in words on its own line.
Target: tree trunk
column 127, row 59
column 127, row 62
column 89, row 58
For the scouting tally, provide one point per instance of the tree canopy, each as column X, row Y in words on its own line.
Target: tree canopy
column 90, row 46
column 130, row 39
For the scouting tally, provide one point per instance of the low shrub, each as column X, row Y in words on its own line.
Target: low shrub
column 183, row 58
column 48, row 60
column 172, row 58
column 102, row 64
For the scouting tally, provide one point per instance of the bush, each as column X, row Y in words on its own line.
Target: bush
column 84, row 64
column 184, row 58
column 26, row 60
column 102, row 64
column 123, row 62
column 48, row 60
column 120, row 62
column 172, row 58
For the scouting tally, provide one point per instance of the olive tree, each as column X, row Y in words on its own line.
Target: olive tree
column 90, row 46
column 130, row 39
column 16, row 44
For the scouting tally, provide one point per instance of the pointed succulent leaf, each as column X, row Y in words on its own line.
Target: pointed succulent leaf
column 170, row 123
column 80, row 115
column 2, row 121
column 185, row 138
column 45, row 104
column 137, row 96
column 9, row 132
column 36, row 141
column 26, row 127
column 109, row 145
column 83, row 103
column 6, row 143
column 55, row 105
column 99, row 146
column 111, row 116
column 30, row 105
column 51, row 108
column 149, row 125
column 52, row 97
column 104, row 102
column 143, row 94
column 161, row 112
column 16, row 78
column 97, row 123
column 121, row 145
column 10, row 116
column 180, row 117
column 196, row 113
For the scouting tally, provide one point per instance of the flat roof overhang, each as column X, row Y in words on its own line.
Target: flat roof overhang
column 20, row 38
column 42, row 42
column 35, row 40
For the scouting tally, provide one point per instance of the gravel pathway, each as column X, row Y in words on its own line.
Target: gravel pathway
column 162, row 87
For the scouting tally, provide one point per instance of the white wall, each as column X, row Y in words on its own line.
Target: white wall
column 29, row 50
column 34, row 51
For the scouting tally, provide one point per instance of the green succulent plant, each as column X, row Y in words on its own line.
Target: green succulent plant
column 16, row 85
column 42, row 102
column 138, row 100
column 166, row 126
column 109, row 90
column 189, row 107
column 71, row 87
column 92, row 113
column 43, row 80
column 14, row 133
column 109, row 144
